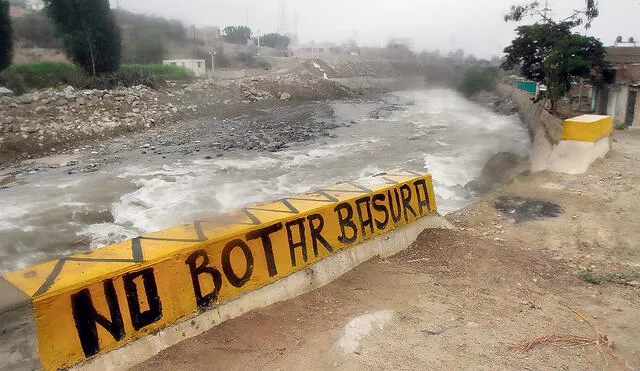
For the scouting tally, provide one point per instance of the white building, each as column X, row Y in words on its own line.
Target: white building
column 195, row 65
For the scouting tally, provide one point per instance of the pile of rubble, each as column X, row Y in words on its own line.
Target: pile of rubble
column 52, row 116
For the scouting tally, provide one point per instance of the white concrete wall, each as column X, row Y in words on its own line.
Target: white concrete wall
column 198, row 66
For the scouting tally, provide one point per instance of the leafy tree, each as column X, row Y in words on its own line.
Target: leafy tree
column 89, row 32
column 236, row 34
column 550, row 53
column 575, row 56
column 531, row 45
column 275, row 40
column 6, row 36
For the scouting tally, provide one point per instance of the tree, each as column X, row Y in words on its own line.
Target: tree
column 550, row 53
column 6, row 36
column 575, row 56
column 579, row 17
column 530, row 47
column 275, row 40
column 236, row 34
column 89, row 33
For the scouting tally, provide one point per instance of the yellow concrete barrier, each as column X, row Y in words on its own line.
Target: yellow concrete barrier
column 587, row 128
column 90, row 303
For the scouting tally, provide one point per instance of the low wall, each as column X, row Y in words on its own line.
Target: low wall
column 568, row 146
column 166, row 286
column 533, row 115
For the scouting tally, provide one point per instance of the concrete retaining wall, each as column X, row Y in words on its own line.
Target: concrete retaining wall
column 155, row 290
column 569, row 146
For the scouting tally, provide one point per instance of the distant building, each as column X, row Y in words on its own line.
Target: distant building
column 195, row 65
column 314, row 50
column 621, row 99
column 210, row 34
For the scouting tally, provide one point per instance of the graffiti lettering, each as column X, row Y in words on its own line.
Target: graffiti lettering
column 293, row 245
column 228, row 268
column 203, row 301
column 346, row 222
column 423, row 203
column 85, row 317
column 405, row 190
column 154, row 313
column 379, row 207
column 396, row 218
column 316, row 233
column 264, row 234
column 368, row 221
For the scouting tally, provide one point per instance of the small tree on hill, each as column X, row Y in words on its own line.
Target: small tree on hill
column 89, row 32
column 6, row 36
column 236, row 34
column 275, row 40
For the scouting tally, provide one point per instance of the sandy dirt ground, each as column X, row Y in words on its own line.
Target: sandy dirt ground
column 461, row 299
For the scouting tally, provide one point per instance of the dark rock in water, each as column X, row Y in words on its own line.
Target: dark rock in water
column 499, row 170
column 522, row 209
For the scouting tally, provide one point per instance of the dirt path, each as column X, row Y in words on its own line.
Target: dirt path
column 459, row 299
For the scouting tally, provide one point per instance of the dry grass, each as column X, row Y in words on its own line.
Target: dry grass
column 599, row 339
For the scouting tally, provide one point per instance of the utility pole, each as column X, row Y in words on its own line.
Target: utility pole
column 283, row 17
column 247, row 11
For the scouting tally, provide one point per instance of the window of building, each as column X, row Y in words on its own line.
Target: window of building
column 321, row 50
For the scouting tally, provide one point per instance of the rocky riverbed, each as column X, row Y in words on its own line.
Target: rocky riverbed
column 52, row 121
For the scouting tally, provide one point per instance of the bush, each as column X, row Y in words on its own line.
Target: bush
column 14, row 82
column 160, row 71
column 42, row 75
column 478, row 79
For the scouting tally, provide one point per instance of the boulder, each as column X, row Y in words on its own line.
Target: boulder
column 285, row 96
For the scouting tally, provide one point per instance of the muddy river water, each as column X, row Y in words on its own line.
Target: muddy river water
column 50, row 213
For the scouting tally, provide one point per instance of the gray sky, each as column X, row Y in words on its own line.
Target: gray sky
column 474, row 26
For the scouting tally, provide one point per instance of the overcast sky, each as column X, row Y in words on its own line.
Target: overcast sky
column 474, row 26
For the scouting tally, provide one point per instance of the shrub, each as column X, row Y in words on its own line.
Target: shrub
column 160, row 71
column 43, row 75
column 247, row 58
column 478, row 79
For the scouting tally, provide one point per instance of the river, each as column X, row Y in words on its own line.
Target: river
column 46, row 214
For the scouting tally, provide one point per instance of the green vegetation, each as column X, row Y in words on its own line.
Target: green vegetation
column 587, row 275
column 550, row 53
column 89, row 33
column 6, row 36
column 161, row 71
column 275, row 40
column 478, row 79
column 236, row 34
column 22, row 77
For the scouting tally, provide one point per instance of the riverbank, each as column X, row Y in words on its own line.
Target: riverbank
column 464, row 298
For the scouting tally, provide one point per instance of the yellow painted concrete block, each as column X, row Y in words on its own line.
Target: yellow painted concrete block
column 587, row 128
column 90, row 303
